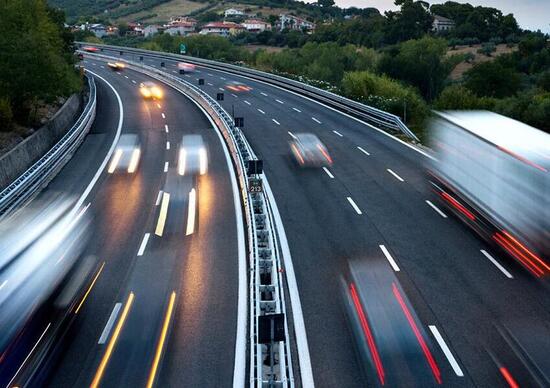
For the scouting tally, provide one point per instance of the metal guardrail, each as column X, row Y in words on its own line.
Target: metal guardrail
column 270, row 364
column 41, row 172
column 370, row 114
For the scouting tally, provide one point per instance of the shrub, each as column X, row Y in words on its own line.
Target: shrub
column 389, row 95
column 487, row 49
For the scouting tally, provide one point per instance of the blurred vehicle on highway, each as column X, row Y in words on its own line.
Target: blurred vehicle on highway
column 309, row 151
column 493, row 173
column 117, row 66
column 90, row 49
column 150, row 90
column 186, row 67
column 522, row 353
column 44, row 277
column 237, row 87
column 193, row 158
column 392, row 345
column 127, row 154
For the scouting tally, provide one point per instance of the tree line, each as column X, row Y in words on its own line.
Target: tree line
column 36, row 60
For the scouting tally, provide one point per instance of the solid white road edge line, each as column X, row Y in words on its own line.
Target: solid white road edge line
column 107, row 329
column 111, row 150
column 242, row 304
column 389, row 258
column 436, row 209
column 497, row 264
column 354, row 205
column 304, row 359
column 143, row 244
column 446, row 351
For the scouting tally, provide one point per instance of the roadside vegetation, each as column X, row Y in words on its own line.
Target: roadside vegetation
column 395, row 61
column 36, row 64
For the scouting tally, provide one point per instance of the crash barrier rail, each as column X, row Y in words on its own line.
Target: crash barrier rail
column 270, row 356
column 43, row 170
column 374, row 116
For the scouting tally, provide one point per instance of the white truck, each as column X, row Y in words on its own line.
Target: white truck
column 493, row 173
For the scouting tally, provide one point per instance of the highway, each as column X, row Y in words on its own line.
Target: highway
column 375, row 205
column 143, row 267
column 163, row 310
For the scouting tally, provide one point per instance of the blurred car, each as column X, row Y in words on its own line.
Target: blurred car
column 127, row 154
column 391, row 342
column 309, row 151
column 44, row 277
column 237, row 87
column 150, row 90
column 90, row 49
column 186, row 67
column 116, row 65
column 193, row 157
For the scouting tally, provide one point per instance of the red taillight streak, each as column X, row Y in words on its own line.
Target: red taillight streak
column 325, row 153
column 425, row 349
column 368, row 334
column 524, row 160
column 514, row 251
column 526, row 250
column 298, row 154
column 508, row 377
column 457, row 205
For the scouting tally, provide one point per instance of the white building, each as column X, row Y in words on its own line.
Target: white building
column 151, row 30
column 233, row 12
column 182, row 28
column 442, row 24
column 290, row 22
column 255, row 25
column 221, row 28
column 99, row 30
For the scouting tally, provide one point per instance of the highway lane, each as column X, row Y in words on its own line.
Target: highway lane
column 451, row 283
column 199, row 268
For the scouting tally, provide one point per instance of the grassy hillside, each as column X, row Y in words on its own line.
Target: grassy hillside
column 158, row 13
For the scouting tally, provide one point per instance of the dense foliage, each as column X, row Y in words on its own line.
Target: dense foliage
column 36, row 61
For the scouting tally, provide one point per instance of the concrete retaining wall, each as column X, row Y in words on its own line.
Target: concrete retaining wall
column 20, row 158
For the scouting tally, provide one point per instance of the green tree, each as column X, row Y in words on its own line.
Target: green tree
column 34, row 64
column 412, row 21
column 492, row 79
column 389, row 95
column 420, row 63
column 325, row 3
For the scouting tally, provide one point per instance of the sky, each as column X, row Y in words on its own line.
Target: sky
column 530, row 14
